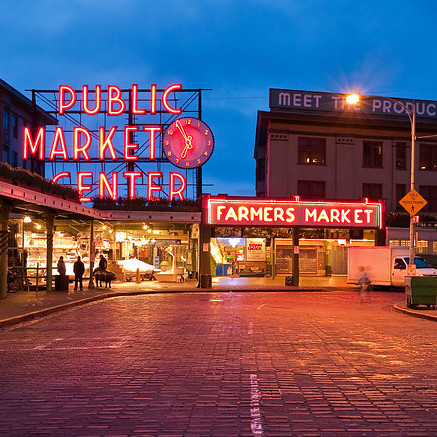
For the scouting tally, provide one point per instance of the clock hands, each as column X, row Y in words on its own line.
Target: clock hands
column 188, row 139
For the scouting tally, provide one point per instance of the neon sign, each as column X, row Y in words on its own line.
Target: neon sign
column 263, row 212
column 113, row 144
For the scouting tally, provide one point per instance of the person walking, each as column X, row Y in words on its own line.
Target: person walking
column 79, row 270
column 61, row 266
column 364, row 283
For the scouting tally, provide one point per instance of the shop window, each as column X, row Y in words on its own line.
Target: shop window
column 429, row 193
column 434, row 247
column 372, row 154
column 422, row 246
column 400, row 193
column 311, row 151
column 372, row 191
column 311, row 189
column 427, row 157
column 401, row 156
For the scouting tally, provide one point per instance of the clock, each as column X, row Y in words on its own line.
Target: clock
column 188, row 142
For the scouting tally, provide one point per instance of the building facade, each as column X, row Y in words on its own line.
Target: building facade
column 17, row 112
column 316, row 146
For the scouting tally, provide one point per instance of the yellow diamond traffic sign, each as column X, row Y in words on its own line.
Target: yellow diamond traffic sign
column 413, row 202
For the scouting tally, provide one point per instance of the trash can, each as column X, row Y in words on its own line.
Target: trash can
column 205, row 281
column 61, row 282
column 420, row 290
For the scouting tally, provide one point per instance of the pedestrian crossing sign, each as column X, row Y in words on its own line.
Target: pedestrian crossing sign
column 413, row 202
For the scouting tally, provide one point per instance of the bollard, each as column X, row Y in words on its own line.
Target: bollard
column 138, row 279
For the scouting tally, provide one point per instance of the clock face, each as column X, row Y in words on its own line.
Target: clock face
column 188, row 142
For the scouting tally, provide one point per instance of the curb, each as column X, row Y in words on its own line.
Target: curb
column 58, row 308
column 414, row 313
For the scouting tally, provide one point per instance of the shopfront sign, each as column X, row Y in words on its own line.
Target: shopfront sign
column 266, row 212
column 328, row 102
column 188, row 141
column 255, row 249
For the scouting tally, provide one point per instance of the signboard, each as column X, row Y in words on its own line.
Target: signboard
column 413, row 202
column 256, row 249
column 106, row 128
column 265, row 212
column 317, row 101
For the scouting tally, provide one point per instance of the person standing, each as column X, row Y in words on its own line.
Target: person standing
column 79, row 270
column 61, row 266
column 364, row 283
column 103, row 263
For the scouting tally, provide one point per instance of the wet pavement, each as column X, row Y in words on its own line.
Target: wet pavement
column 222, row 363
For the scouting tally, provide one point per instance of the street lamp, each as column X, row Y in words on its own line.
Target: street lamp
column 411, row 112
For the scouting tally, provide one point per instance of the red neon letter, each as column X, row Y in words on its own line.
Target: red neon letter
column 97, row 99
column 106, row 142
column 130, row 176
column 59, row 138
column 152, row 130
column 81, row 186
column 128, row 145
column 104, row 183
column 180, row 191
column 62, row 104
column 165, row 99
column 153, row 99
column 63, row 174
column 114, row 96
column 150, row 187
column 77, row 149
column 135, row 109
column 38, row 144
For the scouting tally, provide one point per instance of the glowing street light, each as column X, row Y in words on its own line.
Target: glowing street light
column 411, row 112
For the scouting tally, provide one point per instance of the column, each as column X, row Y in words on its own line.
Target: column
column 92, row 255
column 296, row 256
column 4, row 218
column 205, row 278
column 50, row 219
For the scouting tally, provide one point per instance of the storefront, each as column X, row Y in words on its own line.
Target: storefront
column 266, row 237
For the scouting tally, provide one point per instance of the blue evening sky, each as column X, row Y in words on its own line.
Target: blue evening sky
column 240, row 49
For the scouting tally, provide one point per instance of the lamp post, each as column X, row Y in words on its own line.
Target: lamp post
column 411, row 112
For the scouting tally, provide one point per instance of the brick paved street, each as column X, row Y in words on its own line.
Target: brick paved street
column 222, row 364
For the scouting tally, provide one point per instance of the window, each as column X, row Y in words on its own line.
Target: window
column 6, row 119
column 427, row 157
column 429, row 193
column 372, row 191
column 14, row 161
column 372, row 154
column 400, row 193
column 14, row 126
column 5, row 154
column 399, row 264
column 401, row 156
column 311, row 151
column 311, row 189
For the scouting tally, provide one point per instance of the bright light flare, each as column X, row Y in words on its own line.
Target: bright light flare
column 352, row 99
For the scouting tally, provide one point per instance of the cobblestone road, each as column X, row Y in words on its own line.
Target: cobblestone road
column 222, row 364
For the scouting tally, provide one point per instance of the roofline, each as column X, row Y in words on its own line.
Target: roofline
column 48, row 118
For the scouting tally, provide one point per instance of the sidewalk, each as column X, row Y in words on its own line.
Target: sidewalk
column 27, row 305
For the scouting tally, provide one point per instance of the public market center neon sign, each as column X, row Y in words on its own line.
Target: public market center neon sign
column 82, row 139
column 264, row 212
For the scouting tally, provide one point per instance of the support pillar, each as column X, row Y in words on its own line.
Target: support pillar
column 296, row 257
column 4, row 219
column 92, row 255
column 50, row 219
column 205, row 277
